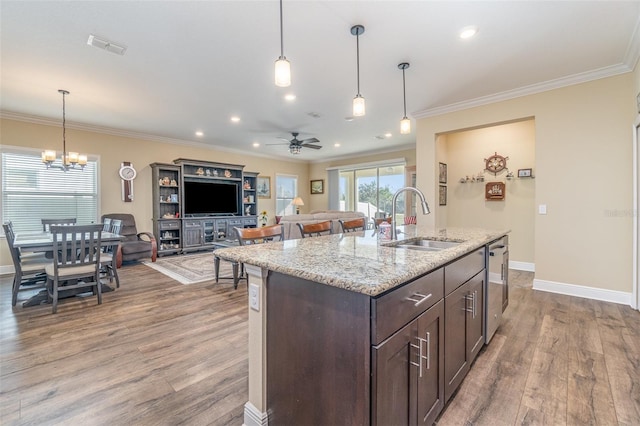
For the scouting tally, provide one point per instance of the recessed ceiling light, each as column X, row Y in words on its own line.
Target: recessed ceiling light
column 387, row 135
column 337, row 145
column 235, row 119
column 199, row 133
column 290, row 97
column 468, row 32
column 256, row 144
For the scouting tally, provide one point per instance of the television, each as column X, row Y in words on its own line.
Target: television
column 211, row 198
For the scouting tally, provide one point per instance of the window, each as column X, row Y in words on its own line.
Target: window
column 286, row 191
column 370, row 190
column 31, row 192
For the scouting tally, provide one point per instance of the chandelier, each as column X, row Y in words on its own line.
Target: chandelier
column 68, row 159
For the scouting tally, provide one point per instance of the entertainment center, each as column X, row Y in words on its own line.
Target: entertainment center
column 198, row 203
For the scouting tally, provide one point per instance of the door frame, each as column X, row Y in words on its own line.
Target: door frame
column 635, row 302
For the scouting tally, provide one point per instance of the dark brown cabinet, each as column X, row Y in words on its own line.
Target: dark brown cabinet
column 408, row 380
column 464, row 336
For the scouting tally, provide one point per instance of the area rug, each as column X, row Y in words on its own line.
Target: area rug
column 190, row 268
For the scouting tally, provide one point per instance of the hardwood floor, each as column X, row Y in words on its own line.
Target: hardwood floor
column 157, row 352
column 555, row 360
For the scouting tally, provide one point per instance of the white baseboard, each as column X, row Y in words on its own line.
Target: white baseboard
column 604, row 295
column 522, row 266
column 253, row 416
column 7, row 270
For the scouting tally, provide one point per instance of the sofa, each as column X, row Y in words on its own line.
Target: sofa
column 292, row 232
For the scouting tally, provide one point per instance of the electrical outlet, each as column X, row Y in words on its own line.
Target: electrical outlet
column 254, row 297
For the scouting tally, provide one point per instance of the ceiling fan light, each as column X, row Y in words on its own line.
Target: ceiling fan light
column 294, row 149
column 358, row 106
column 283, row 72
column 405, row 126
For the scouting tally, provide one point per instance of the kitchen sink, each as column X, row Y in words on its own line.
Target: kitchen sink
column 424, row 244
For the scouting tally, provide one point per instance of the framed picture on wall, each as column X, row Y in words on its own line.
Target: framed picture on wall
column 524, row 173
column 317, row 186
column 443, row 195
column 442, row 173
column 264, row 187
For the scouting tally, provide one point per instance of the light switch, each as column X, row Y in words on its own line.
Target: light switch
column 254, row 297
column 542, row 209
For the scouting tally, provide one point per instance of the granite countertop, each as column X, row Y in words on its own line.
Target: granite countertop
column 359, row 261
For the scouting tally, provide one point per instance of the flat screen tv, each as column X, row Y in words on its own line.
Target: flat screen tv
column 211, row 198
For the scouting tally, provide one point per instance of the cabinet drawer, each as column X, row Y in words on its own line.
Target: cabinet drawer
column 395, row 309
column 169, row 224
column 235, row 222
column 460, row 271
column 192, row 224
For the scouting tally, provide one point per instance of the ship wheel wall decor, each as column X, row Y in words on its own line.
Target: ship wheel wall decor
column 495, row 163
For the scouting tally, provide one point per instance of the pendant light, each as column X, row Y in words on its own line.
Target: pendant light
column 358, row 101
column 283, row 67
column 68, row 159
column 405, row 123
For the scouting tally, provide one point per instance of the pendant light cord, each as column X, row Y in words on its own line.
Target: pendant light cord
column 358, row 59
column 64, row 129
column 281, row 34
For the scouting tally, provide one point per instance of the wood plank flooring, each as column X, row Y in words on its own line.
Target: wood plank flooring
column 157, row 352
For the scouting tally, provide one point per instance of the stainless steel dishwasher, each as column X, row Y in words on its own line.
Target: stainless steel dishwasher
column 497, row 297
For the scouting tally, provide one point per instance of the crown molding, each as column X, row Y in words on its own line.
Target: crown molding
column 633, row 50
column 529, row 90
column 33, row 119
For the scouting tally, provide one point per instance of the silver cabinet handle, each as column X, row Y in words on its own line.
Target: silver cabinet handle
column 419, row 364
column 428, row 350
column 471, row 297
column 421, row 297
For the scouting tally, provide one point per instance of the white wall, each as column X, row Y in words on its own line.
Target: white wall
column 466, row 203
column 583, row 175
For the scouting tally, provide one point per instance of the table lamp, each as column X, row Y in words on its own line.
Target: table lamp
column 297, row 202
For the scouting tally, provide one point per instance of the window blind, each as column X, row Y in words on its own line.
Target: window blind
column 31, row 192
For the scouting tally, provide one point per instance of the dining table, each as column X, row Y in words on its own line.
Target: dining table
column 43, row 242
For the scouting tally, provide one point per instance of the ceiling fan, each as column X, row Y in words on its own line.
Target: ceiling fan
column 295, row 144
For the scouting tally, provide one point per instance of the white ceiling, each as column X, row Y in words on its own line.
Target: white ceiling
column 191, row 65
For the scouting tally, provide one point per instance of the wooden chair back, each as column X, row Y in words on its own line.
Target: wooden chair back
column 46, row 223
column 248, row 236
column 76, row 259
column 316, row 229
column 353, row 225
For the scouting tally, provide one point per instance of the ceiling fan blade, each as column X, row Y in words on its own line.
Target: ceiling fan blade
column 311, row 146
column 282, row 143
column 310, row 140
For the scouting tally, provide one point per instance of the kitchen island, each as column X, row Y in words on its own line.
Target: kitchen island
column 349, row 329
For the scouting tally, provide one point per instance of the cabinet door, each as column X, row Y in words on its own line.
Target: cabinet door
column 455, row 339
column 475, row 315
column 394, row 378
column 431, row 384
column 193, row 236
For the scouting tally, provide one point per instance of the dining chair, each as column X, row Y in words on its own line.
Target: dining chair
column 316, row 229
column 76, row 260
column 108, row 254
column 250, row 236
column 353, row 225
column 46, row 223
column 29, row 270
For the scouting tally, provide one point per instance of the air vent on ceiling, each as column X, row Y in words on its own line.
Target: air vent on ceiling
column 105, row 44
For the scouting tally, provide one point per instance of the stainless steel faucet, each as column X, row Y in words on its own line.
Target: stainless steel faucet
column 423, row 201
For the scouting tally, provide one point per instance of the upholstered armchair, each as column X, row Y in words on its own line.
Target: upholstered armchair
column 134, row 245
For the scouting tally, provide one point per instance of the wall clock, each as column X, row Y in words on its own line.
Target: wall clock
column 496, row 163
column 127, row 174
